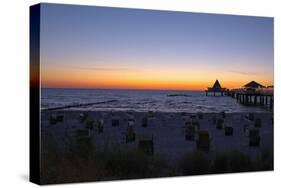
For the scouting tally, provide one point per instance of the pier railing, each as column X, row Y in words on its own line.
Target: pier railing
column 259, row 97
column 265, row 91
column 258, row 91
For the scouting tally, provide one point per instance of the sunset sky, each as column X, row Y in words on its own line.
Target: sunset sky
column 95, row 47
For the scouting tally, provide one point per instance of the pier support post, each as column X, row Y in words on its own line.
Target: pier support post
column 271, row 102
column 239, row 98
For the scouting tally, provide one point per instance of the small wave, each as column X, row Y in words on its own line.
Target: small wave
column 178, row 95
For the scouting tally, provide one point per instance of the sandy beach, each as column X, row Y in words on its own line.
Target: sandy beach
column 171, row 135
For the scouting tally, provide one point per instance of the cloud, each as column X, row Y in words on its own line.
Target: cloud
column 244, row 72
column 100, row 68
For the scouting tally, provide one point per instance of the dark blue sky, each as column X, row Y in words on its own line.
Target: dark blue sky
column 99, row 38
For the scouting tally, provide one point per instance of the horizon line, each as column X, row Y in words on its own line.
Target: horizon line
column 122, row 88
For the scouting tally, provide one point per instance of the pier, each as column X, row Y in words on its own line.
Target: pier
column 257, row 98
column 215, row 89
column 253, row 94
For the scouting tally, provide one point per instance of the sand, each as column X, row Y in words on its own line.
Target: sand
column 167, row 131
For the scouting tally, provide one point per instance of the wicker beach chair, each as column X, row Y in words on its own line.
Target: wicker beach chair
column 190, row 132
column 254, row 137
column 144, row 122
column 203, row 142
column 183, row 113
column 130, row 134
column 146, row 144
column 100, row 126
column 83, row 142
column 251, row 116
column 214, row 119
column 83, row 116
column 195, row 122
column 188, row 123
column 54, row 118
column 60, row 118
column 200, row 115
column 115, row 122
column 223, row 115
column 150, row 113
column 89, row 124
column 228, row 131
column 258, row 122
column 220, row 124
column 192, row 116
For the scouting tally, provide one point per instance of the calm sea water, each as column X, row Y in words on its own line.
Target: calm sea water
column 141, row 100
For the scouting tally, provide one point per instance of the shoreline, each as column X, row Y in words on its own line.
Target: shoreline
column 62, row 109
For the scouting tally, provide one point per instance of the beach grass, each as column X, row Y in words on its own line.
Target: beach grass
column 86, row 164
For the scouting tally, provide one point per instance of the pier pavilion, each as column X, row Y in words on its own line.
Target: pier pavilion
column 255, row 94
column 253, row 85
column 215, row 89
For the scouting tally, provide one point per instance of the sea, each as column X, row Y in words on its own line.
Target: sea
column 140, row 101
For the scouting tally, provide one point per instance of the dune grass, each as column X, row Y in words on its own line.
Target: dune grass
column 225, row 162
column 84, row 163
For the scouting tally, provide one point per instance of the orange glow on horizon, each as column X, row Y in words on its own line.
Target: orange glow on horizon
column 152, row 78
column 139, row 84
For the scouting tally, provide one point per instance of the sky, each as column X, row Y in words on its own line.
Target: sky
column 99, row 47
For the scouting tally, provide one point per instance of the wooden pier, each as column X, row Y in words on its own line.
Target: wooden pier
column 251, row 93
column 215, row 89
column 259, row 97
